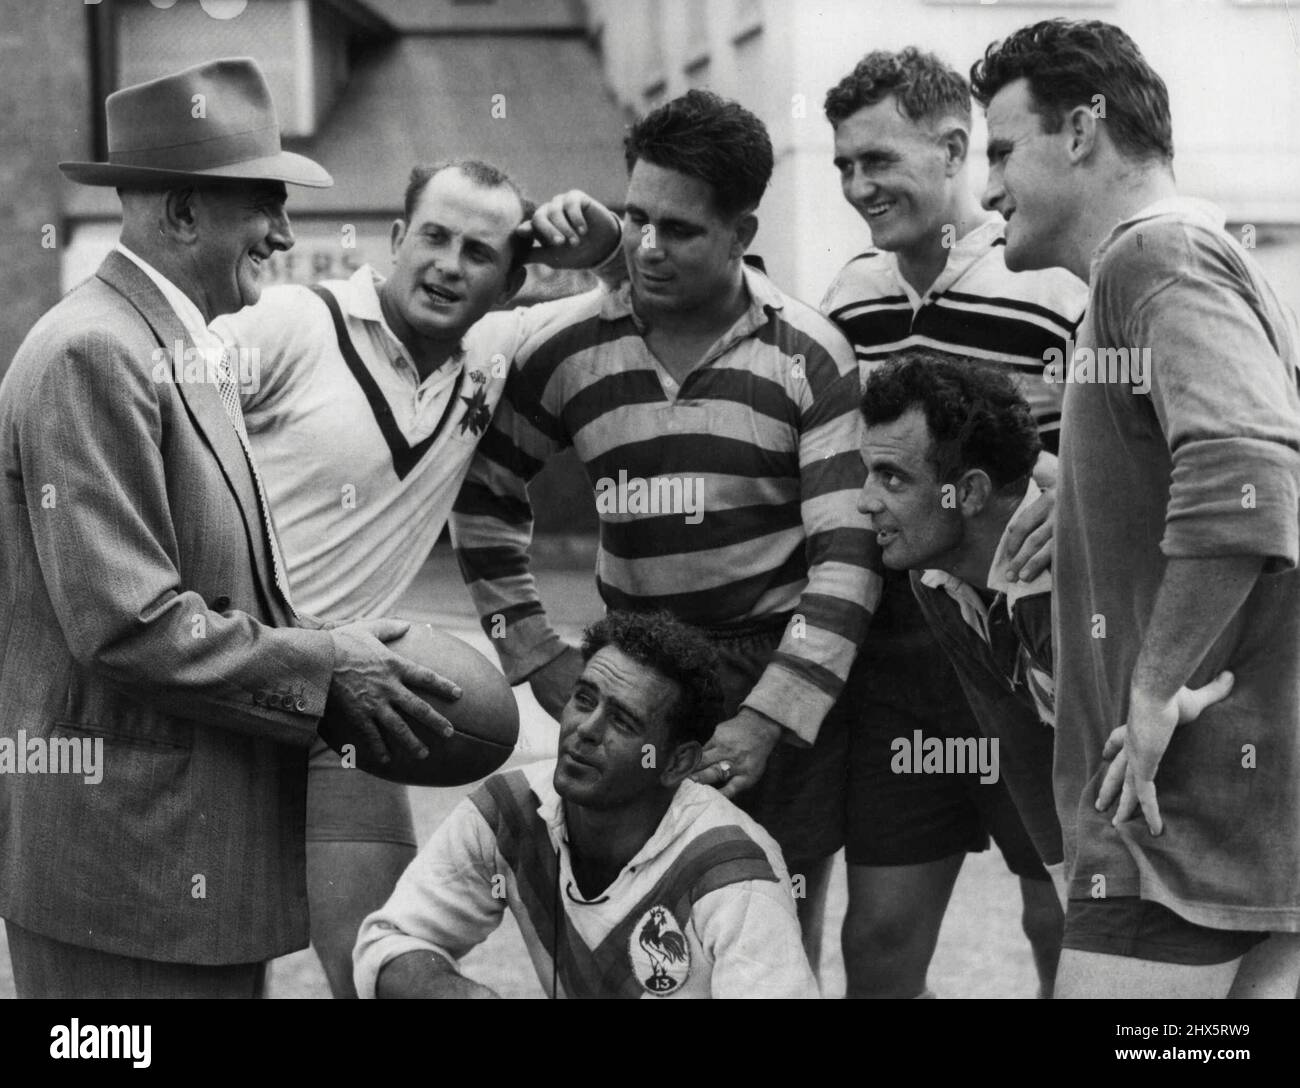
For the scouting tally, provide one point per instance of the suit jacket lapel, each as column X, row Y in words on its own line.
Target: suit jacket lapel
column 204, row 405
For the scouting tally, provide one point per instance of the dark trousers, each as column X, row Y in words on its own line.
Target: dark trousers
column 44, row 967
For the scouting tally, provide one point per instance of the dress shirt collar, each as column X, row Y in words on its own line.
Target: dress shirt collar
column 190, row 315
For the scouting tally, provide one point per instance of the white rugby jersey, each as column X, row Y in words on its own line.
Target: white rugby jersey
column 361, row 459
column 975, row 307
column 704, row 909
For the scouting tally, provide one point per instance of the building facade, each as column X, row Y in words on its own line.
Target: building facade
column 1232, row 68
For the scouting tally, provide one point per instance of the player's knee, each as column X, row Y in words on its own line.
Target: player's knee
column 880, row 935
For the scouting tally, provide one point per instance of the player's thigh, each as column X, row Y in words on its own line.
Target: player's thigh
column 1102, row 975
column 1270, row 969
column 360, row 839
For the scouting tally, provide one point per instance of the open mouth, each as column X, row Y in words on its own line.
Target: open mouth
column 885, row 537
column 875, row 211
column 441, row 295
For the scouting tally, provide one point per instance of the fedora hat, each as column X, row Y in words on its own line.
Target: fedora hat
column 161, row 132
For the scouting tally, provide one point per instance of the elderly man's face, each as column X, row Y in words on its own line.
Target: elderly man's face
column 239, row 226
column 616, row 715
column 451, row 262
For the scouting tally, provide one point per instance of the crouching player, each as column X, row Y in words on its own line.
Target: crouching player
column 626, row 878
column 949, row 446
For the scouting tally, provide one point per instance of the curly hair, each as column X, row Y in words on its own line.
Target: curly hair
column 711, row 139
column 485, row 176
column 976, row 416
column 1068, row 64
column 679, row 652
column 924, row 87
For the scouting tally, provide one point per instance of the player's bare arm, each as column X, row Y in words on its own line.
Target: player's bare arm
column 424, row 976
column 572, row 230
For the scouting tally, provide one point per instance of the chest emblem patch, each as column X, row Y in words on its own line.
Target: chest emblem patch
column 660, row 953
column 477, row 413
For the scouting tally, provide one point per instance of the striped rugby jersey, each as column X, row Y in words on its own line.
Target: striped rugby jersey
column 704, row 908
column 728, row 499
column 975, row 307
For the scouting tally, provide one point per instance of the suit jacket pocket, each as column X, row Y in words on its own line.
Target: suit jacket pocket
column 144, row 738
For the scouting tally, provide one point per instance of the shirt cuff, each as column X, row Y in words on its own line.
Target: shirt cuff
column 528, row 644
column 799, row 706
column 1234, row 496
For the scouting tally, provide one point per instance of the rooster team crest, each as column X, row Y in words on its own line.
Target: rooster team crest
column 661, row 956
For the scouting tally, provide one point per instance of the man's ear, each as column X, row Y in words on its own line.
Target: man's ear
column 955, row 141
column 1084, row 133
column 681, row 764
column 746, row 228
column 395, row 236
column 180, row 214
column 974, row 489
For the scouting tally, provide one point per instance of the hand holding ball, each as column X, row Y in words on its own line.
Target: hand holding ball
column 484, row 721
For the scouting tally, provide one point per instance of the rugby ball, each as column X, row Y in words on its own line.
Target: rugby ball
column 485, row 717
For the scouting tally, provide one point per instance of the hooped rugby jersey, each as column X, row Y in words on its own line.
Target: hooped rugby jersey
column 976, row 307
column 703, row 910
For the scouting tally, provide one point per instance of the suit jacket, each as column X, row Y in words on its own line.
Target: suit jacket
column 137, row 606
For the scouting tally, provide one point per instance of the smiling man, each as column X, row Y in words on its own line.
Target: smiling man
column 700, row 372
column 371, row 395
column 143, row 593
column 627, row 878
column 935, row 279
column 1177, row 542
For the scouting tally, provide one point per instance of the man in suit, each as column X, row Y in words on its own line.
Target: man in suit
column 142, row 593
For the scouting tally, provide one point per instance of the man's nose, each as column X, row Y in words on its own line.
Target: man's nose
column 992, row 193
column 858, row 187
column 448, row 260
column 592, row 725
column 869, row 499
column 281, row 234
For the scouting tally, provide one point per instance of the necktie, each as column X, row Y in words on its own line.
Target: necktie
column 230, row 402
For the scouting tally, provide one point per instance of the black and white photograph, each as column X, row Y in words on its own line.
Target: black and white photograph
column 745, row 499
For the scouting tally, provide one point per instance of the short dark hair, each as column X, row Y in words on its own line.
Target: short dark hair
column 977, row 417
column 485, row 176
column 924, row 87
column 678, row 651
column 1067, row 63
column 711, row 139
